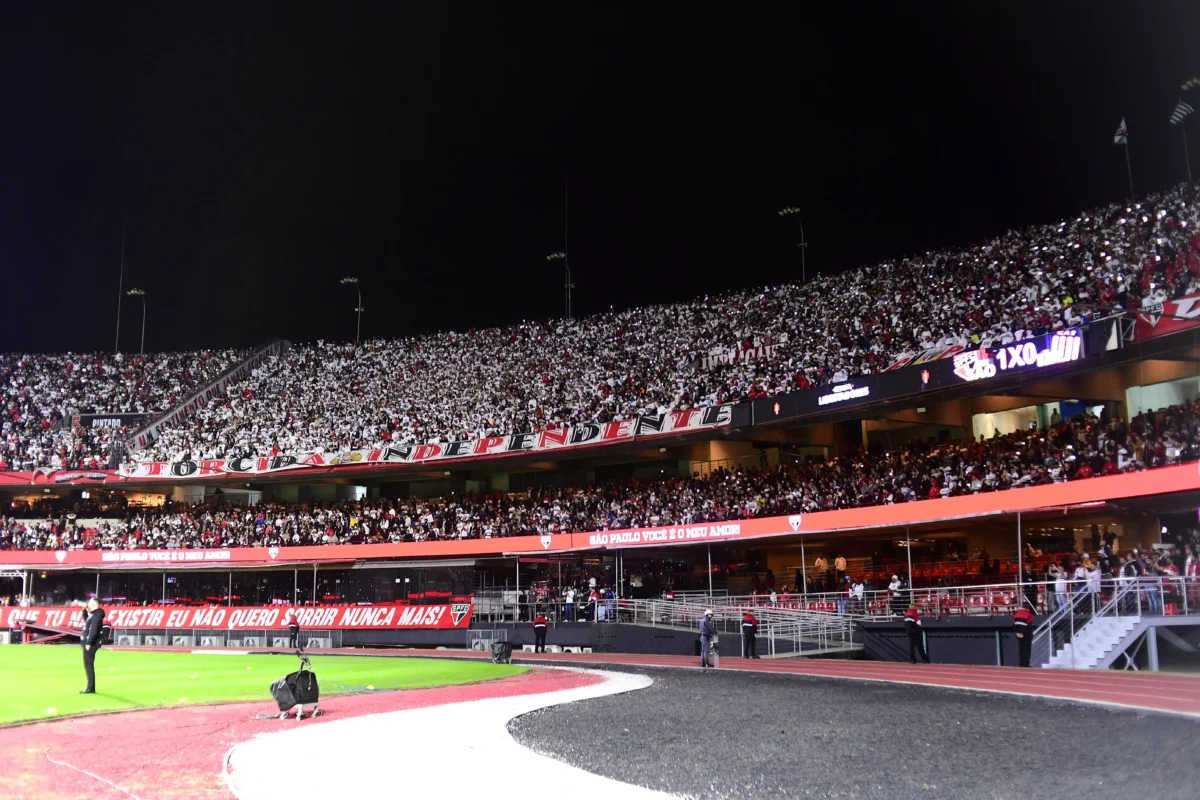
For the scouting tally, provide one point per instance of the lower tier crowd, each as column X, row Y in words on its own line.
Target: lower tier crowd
column 1077, row 448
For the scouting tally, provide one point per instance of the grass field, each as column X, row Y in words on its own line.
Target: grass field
column 42, row 682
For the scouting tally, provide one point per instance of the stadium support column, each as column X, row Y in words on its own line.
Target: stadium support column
column 24, row 587
column 803, row 573
column 97, row 587
column 314, row 594
column 908, row 547
column 295, row 585
column 164, row 592
column 229, row 596
column 710, row 591
column 1021, row 565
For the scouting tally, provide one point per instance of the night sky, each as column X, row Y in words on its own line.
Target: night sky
column 261, row 151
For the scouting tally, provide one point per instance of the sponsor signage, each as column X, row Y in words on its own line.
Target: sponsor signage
column 114, row 421
column 1160, row 319
column 629, row 430
column 248, row 618
column 842, row 392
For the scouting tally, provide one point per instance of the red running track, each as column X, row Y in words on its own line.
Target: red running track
column 1147, row 691
column 1176, row 694
column 179, row 753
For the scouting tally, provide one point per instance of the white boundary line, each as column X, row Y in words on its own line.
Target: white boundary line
column 120, row 789
column 444, row 750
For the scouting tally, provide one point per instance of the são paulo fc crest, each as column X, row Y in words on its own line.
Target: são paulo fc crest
column 61, row 555
column 546, row 542
column 794, row 520
column 458, row 611
column 272, row 552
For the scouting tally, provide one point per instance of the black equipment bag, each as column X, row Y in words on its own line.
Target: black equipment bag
column 502, row 652
column 298, row 688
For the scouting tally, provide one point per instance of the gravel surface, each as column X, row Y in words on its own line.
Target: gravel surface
column 730, row 735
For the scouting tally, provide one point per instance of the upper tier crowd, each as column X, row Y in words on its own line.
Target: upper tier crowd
column 1074, row 449
column 40, row 395
column 533, row 376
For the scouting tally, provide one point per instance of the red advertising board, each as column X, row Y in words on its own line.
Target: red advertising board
column 249, row 618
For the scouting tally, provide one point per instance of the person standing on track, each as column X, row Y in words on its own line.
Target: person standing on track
column 749, row 635
column 91, row 638
column 708, row 632
column 1023, row 625
column 293, row 626
column 539, row 633
column 916, row 641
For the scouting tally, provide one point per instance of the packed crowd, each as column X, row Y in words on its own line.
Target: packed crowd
column 41, row 394
column 533, row 376
column 1076, row 448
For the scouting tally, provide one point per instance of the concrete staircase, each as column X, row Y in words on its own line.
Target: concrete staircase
column 1093, row 642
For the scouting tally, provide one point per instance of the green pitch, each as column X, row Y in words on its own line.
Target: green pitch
column 42, row 682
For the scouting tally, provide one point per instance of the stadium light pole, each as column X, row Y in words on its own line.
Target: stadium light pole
column 141, row 294
column 120, row 289
column 792, row 211
column 568, row 286
column 352, row 281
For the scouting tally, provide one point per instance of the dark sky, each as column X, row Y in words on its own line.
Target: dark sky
column 261, row 151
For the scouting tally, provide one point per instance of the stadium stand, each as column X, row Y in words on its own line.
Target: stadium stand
column 40, row 395
column 448, row 386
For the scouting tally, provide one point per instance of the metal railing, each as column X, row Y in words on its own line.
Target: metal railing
column 781, row 631
column 1118, row 597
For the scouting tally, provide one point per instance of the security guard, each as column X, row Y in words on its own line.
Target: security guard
column 749, row 635
column 539, row 633
column 1023, row 626
column 916, row 642
column 708, row 632
column 91, row 638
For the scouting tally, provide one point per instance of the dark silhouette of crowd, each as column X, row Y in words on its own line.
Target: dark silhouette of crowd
column 1076, row 448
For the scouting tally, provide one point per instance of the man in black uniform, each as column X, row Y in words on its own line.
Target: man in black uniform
column 916, row 641
column 92, row 638
column 539, row 633
column 749, row 634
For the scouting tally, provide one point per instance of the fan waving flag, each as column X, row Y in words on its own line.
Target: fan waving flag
column 1122, row 134
column 1182, row 109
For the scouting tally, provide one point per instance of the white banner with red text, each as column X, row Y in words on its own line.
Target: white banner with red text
column 344, row 618
column 588, row 434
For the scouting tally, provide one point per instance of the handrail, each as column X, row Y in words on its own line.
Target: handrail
column 1131, row 597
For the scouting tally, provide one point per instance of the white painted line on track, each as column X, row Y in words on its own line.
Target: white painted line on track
column 446, row 750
